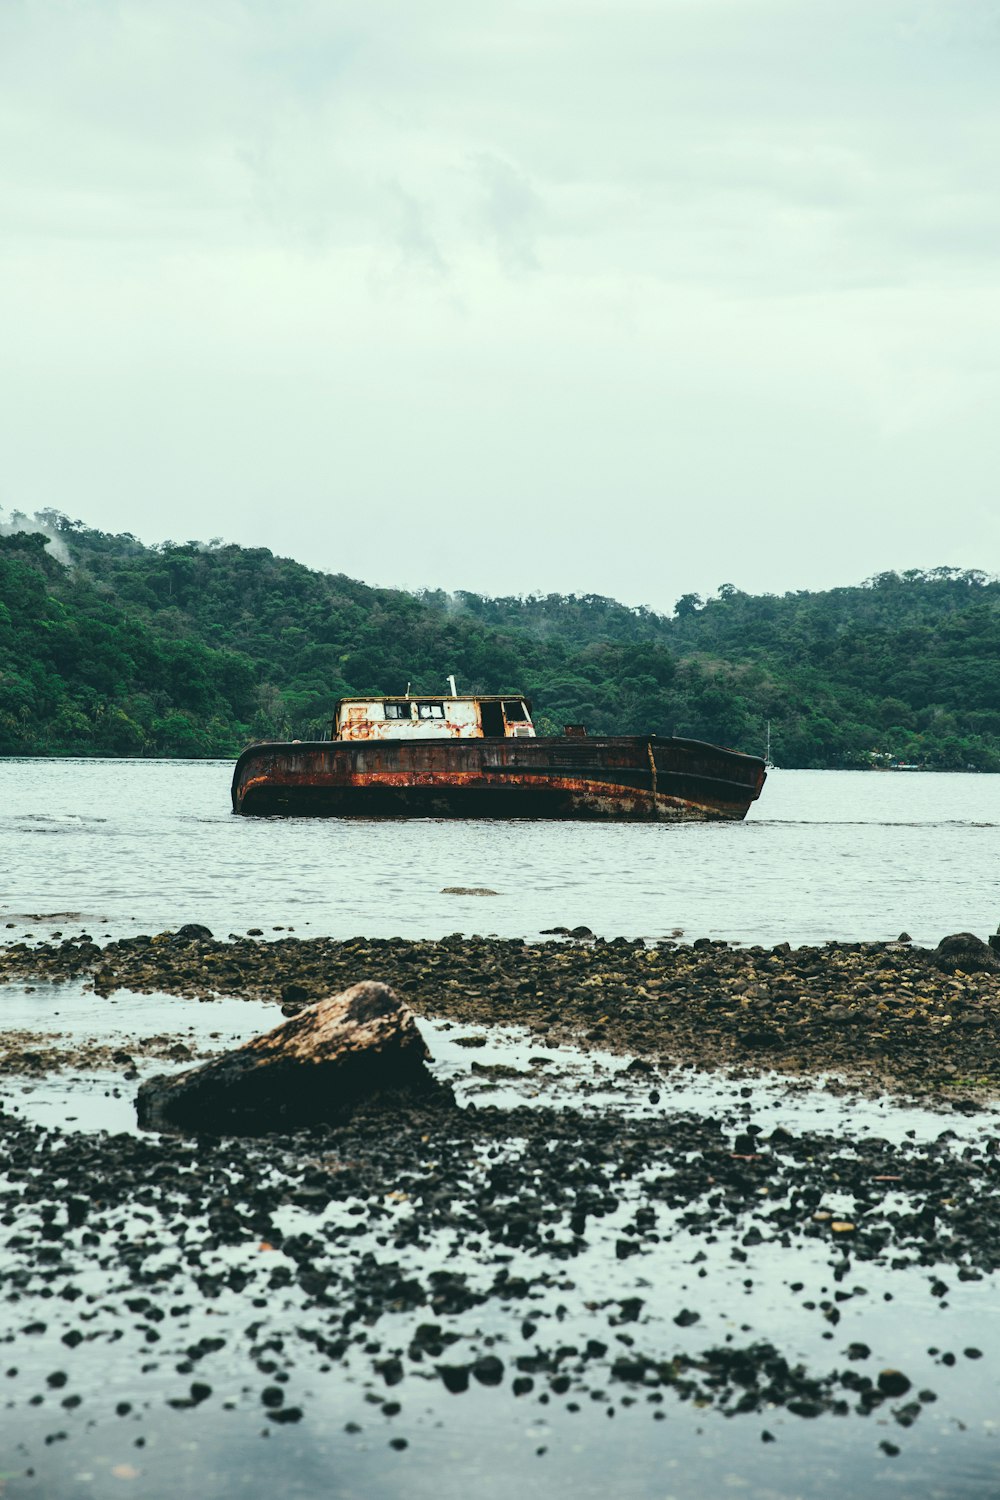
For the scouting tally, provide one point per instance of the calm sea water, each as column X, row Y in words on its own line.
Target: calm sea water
column 139, row 846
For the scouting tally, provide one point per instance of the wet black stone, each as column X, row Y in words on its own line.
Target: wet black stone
column 488, row 1370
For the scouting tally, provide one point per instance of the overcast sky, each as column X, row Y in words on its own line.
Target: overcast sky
column 626, row 296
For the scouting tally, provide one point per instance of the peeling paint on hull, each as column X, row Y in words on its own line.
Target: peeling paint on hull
column 603, row 778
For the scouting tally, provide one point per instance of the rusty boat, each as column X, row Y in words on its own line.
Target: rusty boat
column 480, row 757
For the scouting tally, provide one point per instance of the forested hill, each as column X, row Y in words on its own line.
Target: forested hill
column 110, row 647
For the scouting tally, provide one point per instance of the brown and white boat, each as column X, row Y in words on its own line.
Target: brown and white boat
column 479, row 757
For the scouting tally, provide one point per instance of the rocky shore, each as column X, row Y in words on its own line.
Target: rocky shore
column 398, row 1266
column 445, row 1247
column 889, row 1014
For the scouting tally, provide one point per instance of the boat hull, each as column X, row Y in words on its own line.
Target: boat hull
column 602, row 778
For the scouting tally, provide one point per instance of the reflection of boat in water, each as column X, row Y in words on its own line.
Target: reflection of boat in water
column 479, row 757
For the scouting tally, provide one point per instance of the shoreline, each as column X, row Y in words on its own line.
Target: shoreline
column 886, row 1016
column 635, row 1255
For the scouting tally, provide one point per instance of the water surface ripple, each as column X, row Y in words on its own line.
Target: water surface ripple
column 131, row 846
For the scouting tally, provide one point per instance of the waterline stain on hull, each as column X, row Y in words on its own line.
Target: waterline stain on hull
column 638, row 779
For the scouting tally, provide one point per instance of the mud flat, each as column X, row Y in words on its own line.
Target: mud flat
column 590, row 1292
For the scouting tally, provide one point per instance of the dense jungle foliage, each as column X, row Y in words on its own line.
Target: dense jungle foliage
column 194, row 650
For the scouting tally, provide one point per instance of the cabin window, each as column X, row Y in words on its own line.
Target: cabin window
column 397, row 710
column 515, row 710
column 491, row 720
column 430, row 710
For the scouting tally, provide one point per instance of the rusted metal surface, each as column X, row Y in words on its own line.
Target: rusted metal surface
column 612, row 778
column 459, row 718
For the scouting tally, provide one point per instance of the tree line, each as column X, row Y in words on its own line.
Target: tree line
column 112, row 647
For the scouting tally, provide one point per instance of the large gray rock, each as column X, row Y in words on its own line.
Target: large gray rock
column 965, row 951
column 319, row 1066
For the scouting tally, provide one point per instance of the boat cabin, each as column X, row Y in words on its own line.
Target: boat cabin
column 491, row 717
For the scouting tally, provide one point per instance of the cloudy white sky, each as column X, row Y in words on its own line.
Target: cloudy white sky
column 627, row 296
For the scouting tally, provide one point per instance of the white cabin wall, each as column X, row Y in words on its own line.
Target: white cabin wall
column 366, row 721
